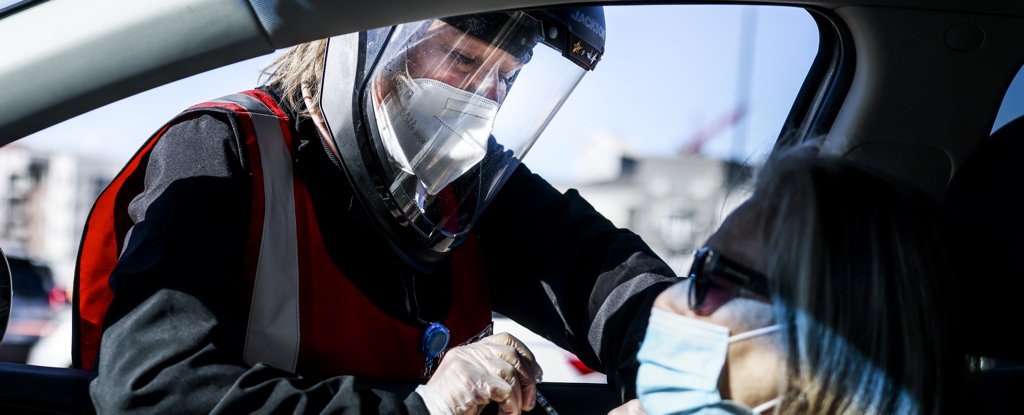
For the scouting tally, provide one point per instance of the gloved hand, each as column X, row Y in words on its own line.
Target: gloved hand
column 497, row 368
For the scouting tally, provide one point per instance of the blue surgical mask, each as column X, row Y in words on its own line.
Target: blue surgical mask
column 681, row 360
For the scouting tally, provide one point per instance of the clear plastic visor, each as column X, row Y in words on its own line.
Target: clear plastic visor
column 453, row 113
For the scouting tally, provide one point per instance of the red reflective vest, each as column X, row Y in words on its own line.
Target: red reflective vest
column 304, row 315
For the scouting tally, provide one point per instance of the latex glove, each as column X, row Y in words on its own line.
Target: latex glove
column 629, row 408
column 498, row 368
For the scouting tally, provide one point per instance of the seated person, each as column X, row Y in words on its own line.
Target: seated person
column 820, row 294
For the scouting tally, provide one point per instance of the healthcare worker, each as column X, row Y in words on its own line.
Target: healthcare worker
column 301, row 246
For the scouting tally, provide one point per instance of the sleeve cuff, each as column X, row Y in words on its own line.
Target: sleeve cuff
column 435, row 405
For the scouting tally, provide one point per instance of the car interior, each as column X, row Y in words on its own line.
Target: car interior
column 980, row 219
column 911, row 87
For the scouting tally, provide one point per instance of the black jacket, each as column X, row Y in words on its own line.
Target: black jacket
column 174, row 332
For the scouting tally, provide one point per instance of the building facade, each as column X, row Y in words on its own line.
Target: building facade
column 45, row 198
column 672, row 202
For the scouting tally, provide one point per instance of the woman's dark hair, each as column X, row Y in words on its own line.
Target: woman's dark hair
column 858, row 271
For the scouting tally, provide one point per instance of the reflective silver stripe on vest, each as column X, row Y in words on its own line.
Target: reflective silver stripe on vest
column 272, row 336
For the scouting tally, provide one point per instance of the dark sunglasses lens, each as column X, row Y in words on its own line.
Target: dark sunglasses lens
column 714, row 296
column 700, row 303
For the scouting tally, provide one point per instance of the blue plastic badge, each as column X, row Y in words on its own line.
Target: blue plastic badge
column 434, row 340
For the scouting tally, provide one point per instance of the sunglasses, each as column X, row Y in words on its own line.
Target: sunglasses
column 715, row 280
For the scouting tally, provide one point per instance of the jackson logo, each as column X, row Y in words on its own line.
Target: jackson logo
column 588, row 21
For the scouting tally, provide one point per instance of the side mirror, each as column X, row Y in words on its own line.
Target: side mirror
column 5, row 293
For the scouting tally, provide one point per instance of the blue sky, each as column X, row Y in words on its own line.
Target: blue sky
column 671, row 70
column 1013, row 103
column 667, row 72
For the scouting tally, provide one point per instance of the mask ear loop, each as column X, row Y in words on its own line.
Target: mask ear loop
column 766, row 406
column 755, row 332
column 405, row 76
column 401, row 76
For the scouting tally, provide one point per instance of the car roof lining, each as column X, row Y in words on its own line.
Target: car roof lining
column 141, row 45
column 936, row 98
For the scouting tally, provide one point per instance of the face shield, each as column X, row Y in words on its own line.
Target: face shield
column 453, row 104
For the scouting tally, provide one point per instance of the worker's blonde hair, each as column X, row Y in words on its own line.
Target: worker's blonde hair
column 303, row 64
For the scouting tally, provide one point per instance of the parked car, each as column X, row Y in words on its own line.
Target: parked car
column 35, row 303
column 912, row 87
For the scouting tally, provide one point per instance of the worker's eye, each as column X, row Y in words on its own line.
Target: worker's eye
column 462, row 62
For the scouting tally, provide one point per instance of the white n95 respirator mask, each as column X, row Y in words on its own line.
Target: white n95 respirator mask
column 435, row 131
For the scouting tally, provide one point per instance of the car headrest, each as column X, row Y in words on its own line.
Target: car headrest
column 984, row 232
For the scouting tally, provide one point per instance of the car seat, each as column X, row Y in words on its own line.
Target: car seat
column 984, row 230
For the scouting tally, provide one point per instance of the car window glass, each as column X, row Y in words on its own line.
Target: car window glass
column 662, row 137
column 690, row 98
column 1013, row 102
column 659, row 138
